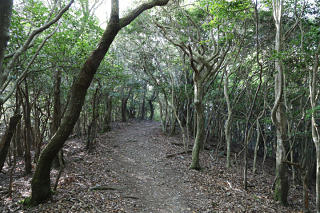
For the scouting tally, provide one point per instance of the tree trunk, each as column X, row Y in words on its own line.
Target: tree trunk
column 282, row 183
column 278, row 115
column 17, row 140
column 17, row 133
column 37, row 132
column 151, row 109
column 150, row 101
column 229, row 119
column 92, row 126
column 163, row 116
column 5, row 18
column 27, row 131
column 314, row 126
column 40, row 184
column 124, row 109
column 108, row 115
column 254, row 166
column 200, row 132
column 6, row 139
column 56, row 119
column 143, row 105
column 41, row 178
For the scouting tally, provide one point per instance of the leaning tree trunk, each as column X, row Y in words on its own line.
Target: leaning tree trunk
column 6, row 138
column 40, row 184
column 41, row 178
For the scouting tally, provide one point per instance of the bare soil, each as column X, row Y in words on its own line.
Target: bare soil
column 129, row 171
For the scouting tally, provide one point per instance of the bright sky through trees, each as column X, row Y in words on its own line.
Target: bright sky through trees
column 103, row 10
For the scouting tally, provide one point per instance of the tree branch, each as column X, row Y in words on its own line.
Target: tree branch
column 136, row 12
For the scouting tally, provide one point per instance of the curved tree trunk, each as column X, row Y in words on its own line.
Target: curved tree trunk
column 40, row 184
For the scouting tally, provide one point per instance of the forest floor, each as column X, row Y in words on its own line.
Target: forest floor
column 131, row 170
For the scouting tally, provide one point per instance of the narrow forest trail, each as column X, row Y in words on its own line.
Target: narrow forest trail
column 140, row 158
column 129, row 171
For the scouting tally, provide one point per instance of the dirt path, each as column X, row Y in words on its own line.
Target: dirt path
column 128, row 171
column 148, row 177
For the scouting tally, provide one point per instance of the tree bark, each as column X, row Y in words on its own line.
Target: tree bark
column 200, row 132
column 56, row 118
column 124, row 109
column 108, row 115
column 27, row 130
column 150, row 101
column 278, row 114
column 314, row 125
column 92, row 126
column 143, row 105
column 5, row 18
column 40, row 184
column 6, row 138
column 17, row 133
column 229, row 119
column 256, row 148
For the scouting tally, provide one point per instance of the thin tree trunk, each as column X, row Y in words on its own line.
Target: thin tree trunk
column 92, row 126
column 254, row 166
column 174, row 109
column 143, row 105
column 198, row 96
column 27, row 131
column 314, row 126
column 229, row 119
column 108, row 115
column 17, row 133
column 56, row 119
